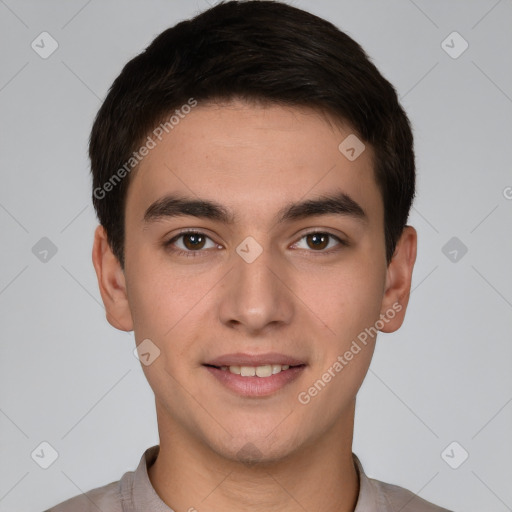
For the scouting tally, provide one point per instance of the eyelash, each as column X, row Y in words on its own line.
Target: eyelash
column 193, row 254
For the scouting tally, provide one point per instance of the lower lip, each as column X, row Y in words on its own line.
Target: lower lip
column 256, row 386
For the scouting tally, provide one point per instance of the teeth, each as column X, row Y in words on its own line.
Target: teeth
column 265, row 370
column 247, row 371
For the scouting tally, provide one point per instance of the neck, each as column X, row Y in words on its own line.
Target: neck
column 188, row 475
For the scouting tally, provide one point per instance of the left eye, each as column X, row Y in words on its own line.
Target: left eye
column 319, row 241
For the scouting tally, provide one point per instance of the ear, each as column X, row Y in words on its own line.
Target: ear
column 398, row 281
column 111, row 282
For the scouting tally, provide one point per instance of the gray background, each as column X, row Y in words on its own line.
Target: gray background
column 70, row 379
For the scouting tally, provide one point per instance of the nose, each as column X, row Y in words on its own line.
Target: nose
column 256, row 295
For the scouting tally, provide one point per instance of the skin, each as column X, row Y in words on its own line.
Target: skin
column 292, row 299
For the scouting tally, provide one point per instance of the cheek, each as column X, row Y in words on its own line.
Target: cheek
column 346, row 299
column 155, row 296
column 349, row 304
column 164, row 299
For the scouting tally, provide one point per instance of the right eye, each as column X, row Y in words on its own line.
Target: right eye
column 189, row 242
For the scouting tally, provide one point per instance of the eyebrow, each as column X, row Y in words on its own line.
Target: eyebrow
column 172, row 205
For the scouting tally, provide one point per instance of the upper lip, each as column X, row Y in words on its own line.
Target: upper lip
column 240, row 359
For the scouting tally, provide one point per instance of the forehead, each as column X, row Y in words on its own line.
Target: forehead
column 254, row 158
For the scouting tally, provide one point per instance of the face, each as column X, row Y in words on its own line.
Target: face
column 235, row 261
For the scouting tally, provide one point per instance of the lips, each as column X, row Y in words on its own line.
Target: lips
column 255, row 375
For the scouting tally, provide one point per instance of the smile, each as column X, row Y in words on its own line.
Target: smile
column 255, row 381
column 264, row 371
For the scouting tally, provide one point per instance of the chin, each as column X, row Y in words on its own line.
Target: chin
column 252, row 447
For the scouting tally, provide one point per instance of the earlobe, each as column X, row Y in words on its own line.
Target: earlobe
column 111, row 282
column 398, row 281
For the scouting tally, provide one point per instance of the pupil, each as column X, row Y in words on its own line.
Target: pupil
column 319, row 240
column 193, row 241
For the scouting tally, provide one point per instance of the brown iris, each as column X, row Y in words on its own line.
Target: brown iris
column 194, row 241
column 319, row 240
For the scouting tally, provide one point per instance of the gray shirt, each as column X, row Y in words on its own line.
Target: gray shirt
column 134, row 493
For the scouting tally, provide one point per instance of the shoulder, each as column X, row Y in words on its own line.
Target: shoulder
column 106, row 498
column 375, row 495
column 392, row 497
column 115, row 496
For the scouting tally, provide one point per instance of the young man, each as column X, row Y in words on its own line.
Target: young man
column 253, row 174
